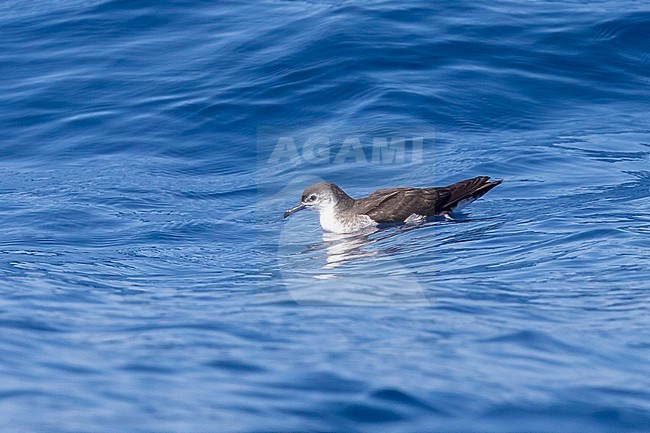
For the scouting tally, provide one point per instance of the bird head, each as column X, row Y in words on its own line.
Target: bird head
column 316, row 197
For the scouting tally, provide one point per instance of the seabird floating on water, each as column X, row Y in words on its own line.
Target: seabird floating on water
column 340, row 213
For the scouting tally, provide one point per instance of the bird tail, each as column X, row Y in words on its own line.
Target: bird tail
column 461, row 194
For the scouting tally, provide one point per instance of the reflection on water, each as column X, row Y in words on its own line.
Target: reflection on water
column 344, row 247
column 362, row 268
column 377, row 266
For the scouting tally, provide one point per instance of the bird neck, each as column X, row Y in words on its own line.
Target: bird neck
column 342, row 201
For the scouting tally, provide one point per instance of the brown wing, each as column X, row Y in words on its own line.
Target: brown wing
column 397, row 204
column 466, row 191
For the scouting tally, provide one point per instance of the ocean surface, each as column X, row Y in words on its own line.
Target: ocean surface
column 148, row 282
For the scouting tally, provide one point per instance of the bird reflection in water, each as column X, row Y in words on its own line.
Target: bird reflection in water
column 341, row 248
column 337, row 285
column 344, row 247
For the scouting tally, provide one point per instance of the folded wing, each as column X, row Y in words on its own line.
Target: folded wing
column 397, row 204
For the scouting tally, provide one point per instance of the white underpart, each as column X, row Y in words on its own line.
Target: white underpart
column 463, row 204
column 330, row 222
column 415, row 218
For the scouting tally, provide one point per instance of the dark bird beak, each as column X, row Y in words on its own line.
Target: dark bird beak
column 294, row 209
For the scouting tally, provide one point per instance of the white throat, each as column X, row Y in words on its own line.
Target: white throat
column 328, row 218
column 332, row 221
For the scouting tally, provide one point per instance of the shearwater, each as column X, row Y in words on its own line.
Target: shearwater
column 340, row 213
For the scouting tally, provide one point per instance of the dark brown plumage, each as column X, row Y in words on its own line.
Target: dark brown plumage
column 341, row 213
column 397, row 204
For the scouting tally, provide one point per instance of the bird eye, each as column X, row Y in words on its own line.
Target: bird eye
column 312, row 197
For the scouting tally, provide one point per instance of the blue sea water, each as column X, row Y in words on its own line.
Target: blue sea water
column 149, row 284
